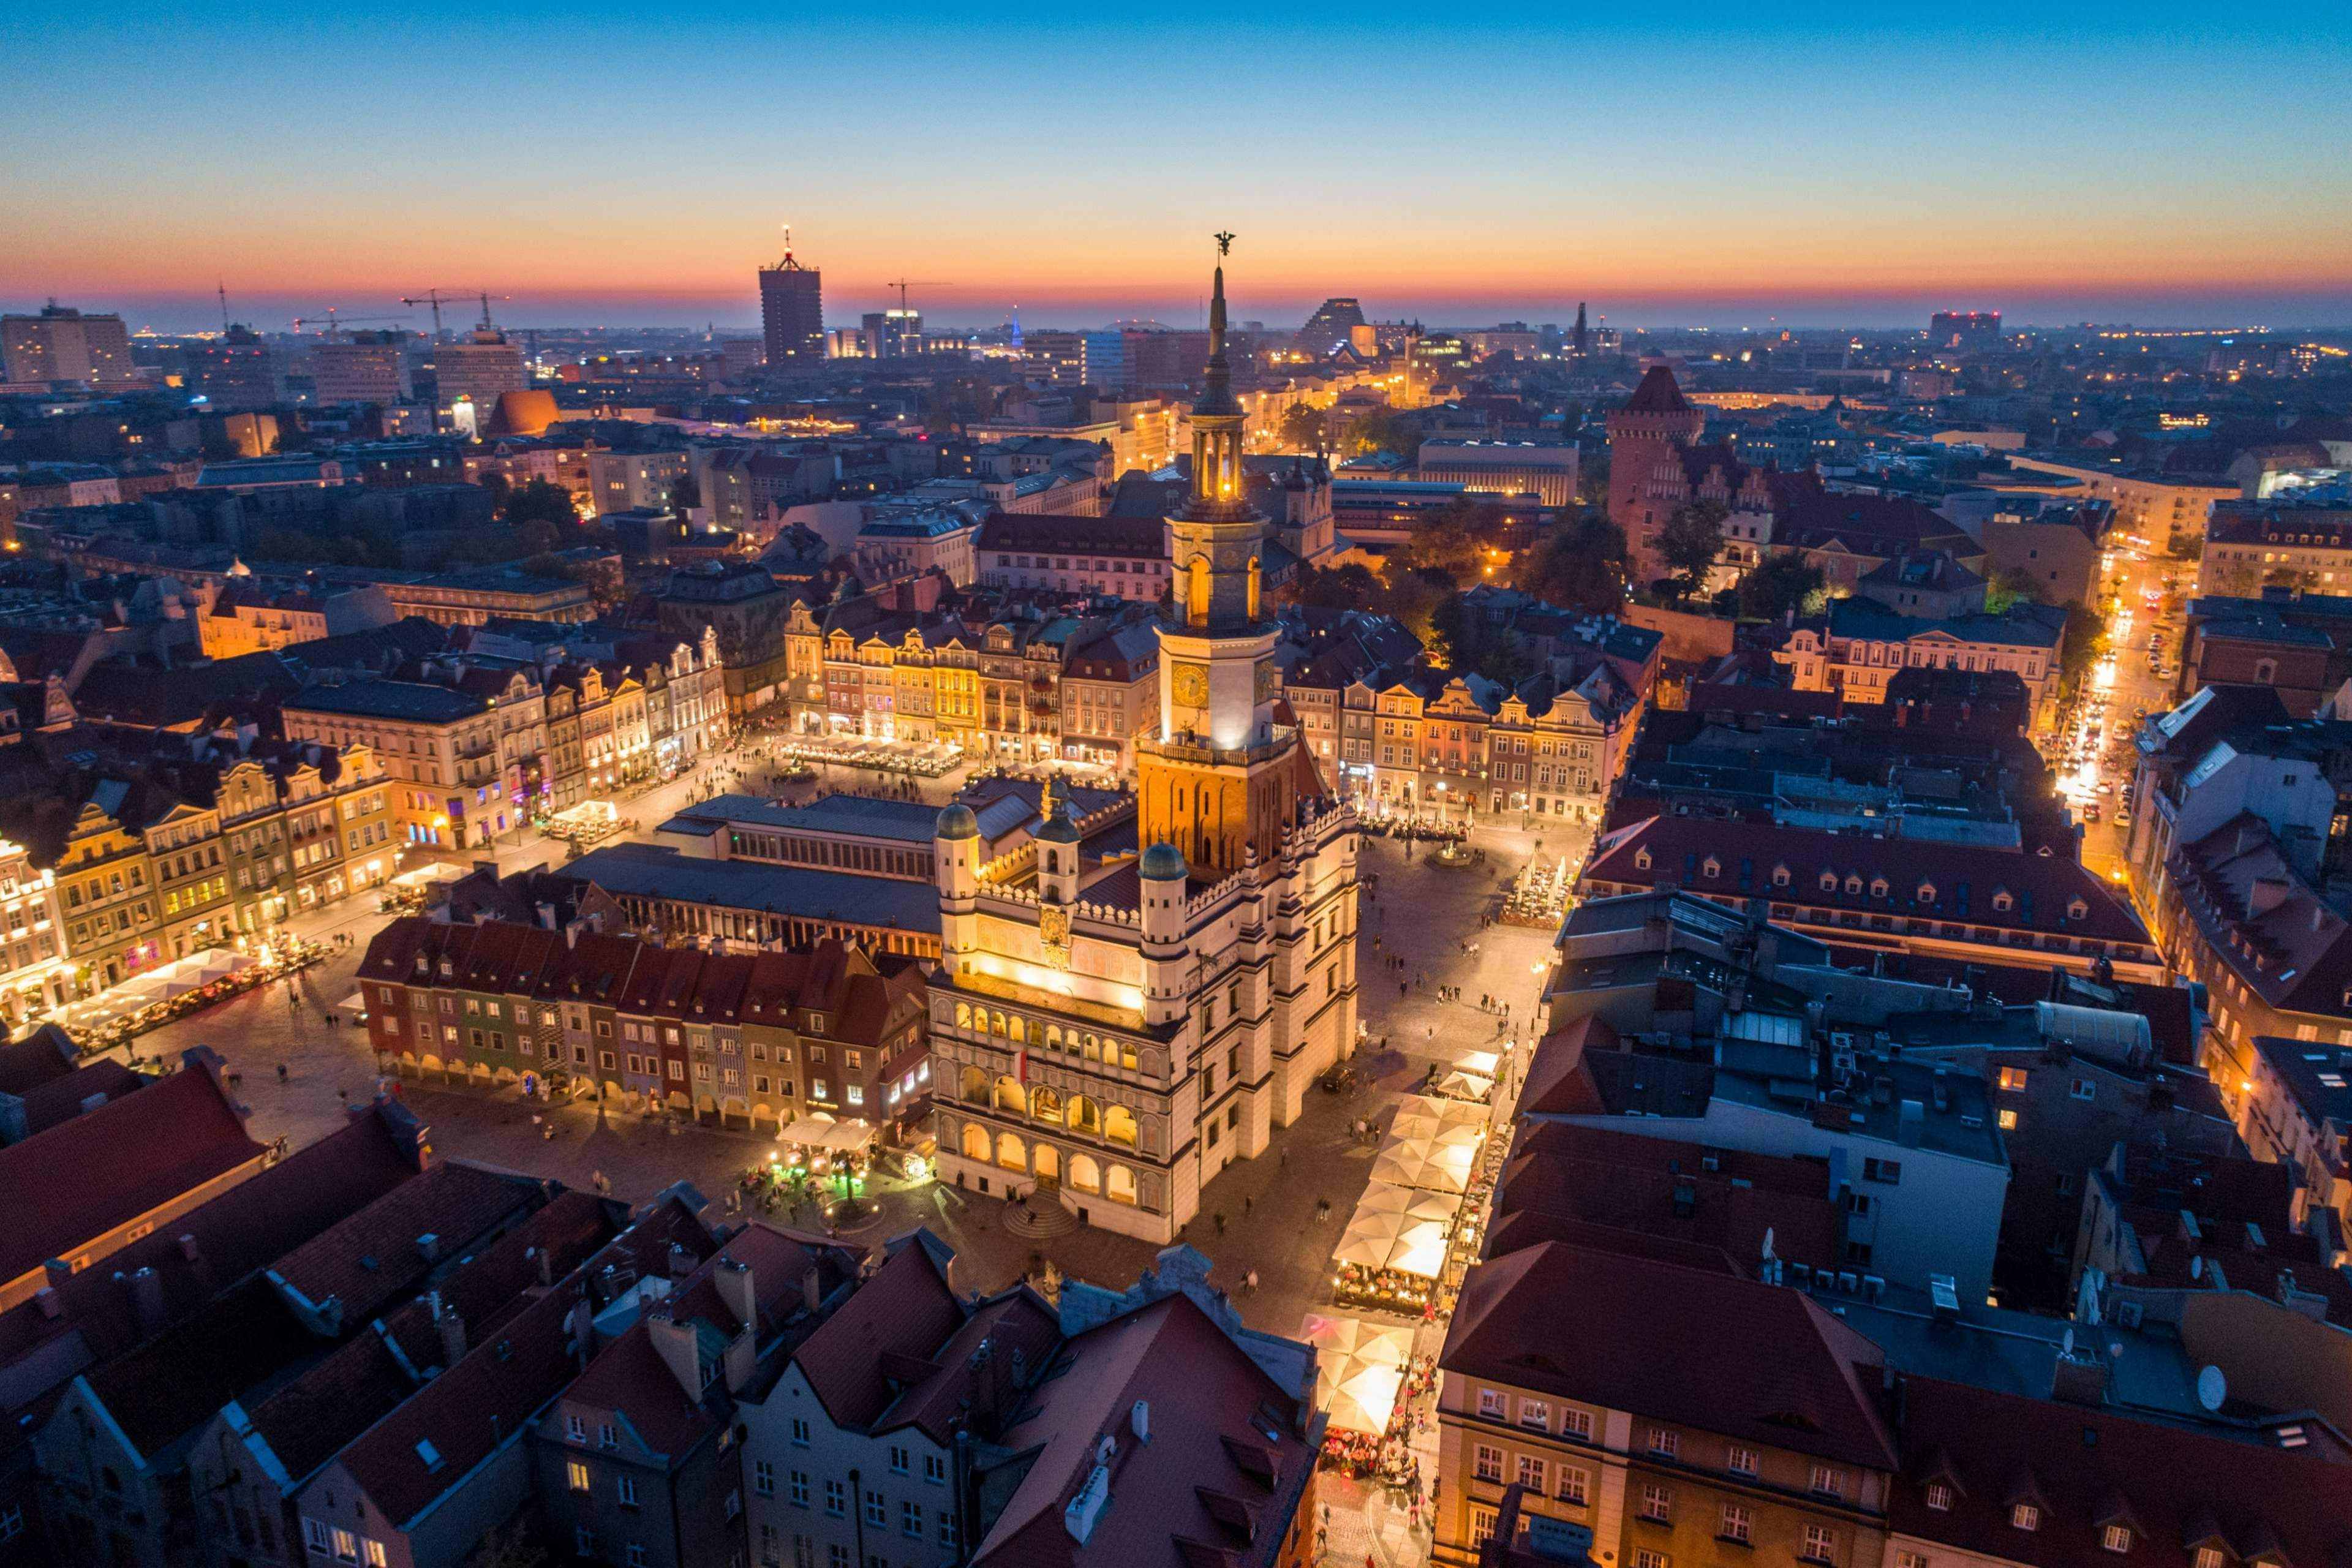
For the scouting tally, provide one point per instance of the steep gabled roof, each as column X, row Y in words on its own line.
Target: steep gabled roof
column 1757, row 1363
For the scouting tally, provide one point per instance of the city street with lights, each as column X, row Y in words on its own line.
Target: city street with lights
column 2143, row 593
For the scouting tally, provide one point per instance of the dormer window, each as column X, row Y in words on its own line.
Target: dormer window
column 1711, row 866
column 1852, row 884
column 2077, row 909
column 2114, row 1538
column 2002, row 902
column 1779, row 876
column 1926, row 894
column 1829, row 881
column 1642, row 859
column 1878, row 887
column 1939, row 1498
column 2024, row 1516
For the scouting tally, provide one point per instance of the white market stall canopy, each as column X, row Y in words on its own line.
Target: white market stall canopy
column 1420, row 1163
column 426, row 876
column 1482, row 1063
column 1464, row 1086
column 1381, row 1198
column 1360, row 1369
column 177, row 978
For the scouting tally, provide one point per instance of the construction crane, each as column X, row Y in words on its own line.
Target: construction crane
column 903, row 284
column 436, row 298
column 333, row 320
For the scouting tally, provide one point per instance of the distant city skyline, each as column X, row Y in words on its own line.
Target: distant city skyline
column 170, row 314
column 1826, row 163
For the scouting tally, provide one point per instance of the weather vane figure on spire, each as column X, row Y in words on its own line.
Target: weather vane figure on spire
column 1224, row 242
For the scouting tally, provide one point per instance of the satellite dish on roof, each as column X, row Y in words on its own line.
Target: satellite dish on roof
column 2066, row 1343
column 2212, row 1388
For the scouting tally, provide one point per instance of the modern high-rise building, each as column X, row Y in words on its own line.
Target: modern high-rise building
column 363, row 368
column 239, row 372
column 1964, row 329
column 792, row 311
column 475, row 371
column 895, row 333
column 1329, row 327
column 63, row 345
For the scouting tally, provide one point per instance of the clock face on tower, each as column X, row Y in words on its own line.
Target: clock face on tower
column 1189, row 684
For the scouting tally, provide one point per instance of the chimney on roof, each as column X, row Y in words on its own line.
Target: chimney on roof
column 2078, row 1376
column 677, row 1344
column 428, row 1248
column 681, row 1262
column 546, row 1261
column 733, row 1282
column 52, row 1305
column 452, row 1330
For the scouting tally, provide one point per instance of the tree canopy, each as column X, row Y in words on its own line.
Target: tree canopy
column 1780, row 583
column 1690, row 540
column 1581, row 567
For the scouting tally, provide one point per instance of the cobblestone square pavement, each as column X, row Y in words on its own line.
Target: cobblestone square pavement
column 1256, row 1214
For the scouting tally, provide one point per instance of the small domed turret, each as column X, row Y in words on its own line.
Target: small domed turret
column 1162, row 863
column 957, row 822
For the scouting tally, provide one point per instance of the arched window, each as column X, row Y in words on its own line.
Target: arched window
column 1094, row 1049
column 1011, row 1096
column 1016, row 1029
column 1127, row 1055
column 1085, row 1115
column 963, row 1015
column 1052, row 1036
column 1011, row 1152
column 1118, row 1185
column 1084, row 1175
column 974, row 1086
column 1118, row 1125
column 1044, row 1105
column 975, row 1141
column 996, row 1023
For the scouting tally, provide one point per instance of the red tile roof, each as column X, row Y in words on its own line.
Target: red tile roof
column 1756, row 1363
column 907, row 1309
column 1558, row 1081
column 1662, row 1187
column 60, row 1100
column 2175, row 1488
column 2041, row 887
column 1657, row 394
column 480, row 1402
column 630, row 1376
column 227, row 1239
column 1224, row 1459
column 374, row 1257
column 95, row 1173
column 307, row 1420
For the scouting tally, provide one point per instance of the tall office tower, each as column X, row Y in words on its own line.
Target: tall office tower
column 239, row 372
column 894, row 334
column 365, row 367
column 1964, row 329
column 1582, row 342
column 475, row 371
column 63, row 345
column 792, row 311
